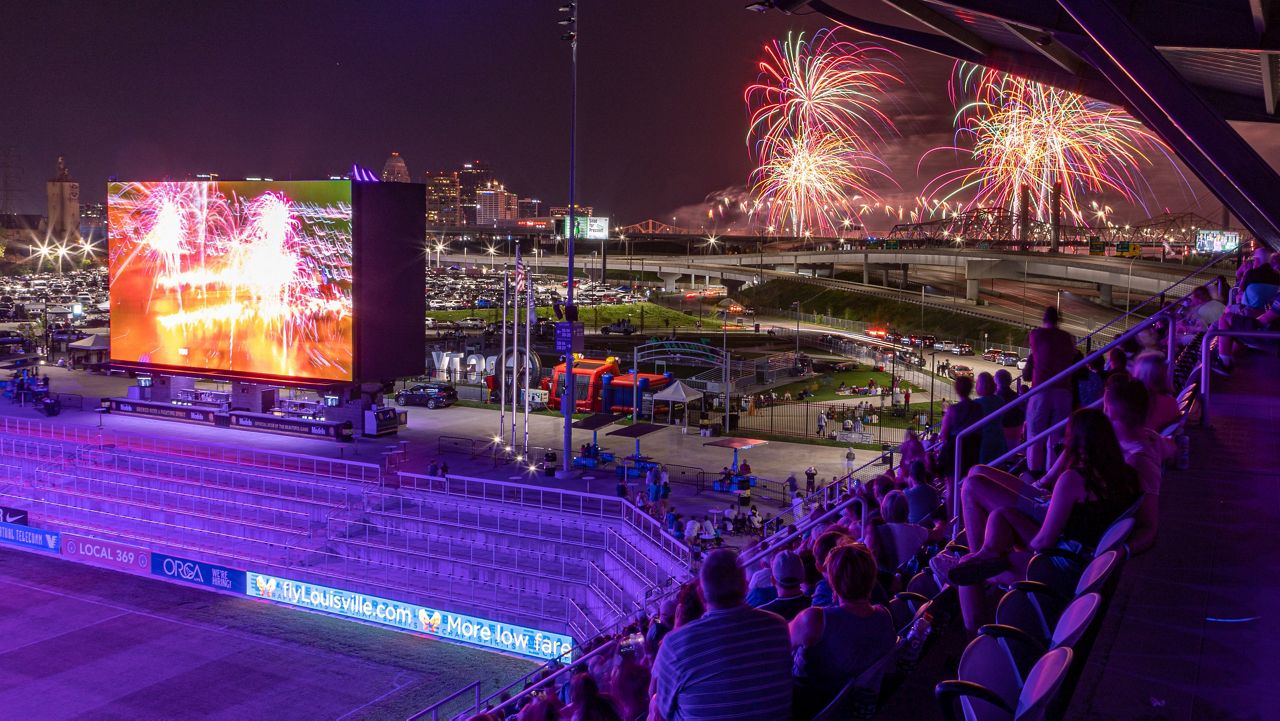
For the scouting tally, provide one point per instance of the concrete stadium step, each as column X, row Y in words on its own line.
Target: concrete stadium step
column 509, row 558
column 312, row 511
column 496, row 602
column 328, row 492
column 178, row 518
column 393, row 551
column 552, row 526
column 468, row 533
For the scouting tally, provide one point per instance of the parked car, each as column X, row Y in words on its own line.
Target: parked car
column 958, row 371
column 622, row 326
column 945, row 346
column 431, row 395
column 1008, row 359
column 992, row 355
column 963, row 349
column 1022, row 364
column 471, row 323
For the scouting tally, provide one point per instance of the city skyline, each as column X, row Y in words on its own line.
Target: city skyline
column 661, row 117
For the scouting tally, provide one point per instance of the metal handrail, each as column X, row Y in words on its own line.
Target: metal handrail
column 1024, row 398
column 1212, row 262
column 1205, row 370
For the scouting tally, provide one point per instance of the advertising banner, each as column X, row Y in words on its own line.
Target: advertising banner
column 27, row 537
column 161, row 410
column 202, row 574
column 13, row 515
column 409, row 617
column 106, row 553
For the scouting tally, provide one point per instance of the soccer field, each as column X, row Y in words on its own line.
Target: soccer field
column 81, row 642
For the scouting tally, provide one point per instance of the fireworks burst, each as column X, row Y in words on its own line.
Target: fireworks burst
column 814, row 127
column 1022, row 133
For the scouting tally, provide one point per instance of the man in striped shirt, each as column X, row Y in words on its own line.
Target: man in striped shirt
column 734, row 663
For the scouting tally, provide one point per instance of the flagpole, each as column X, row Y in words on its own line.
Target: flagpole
column 531, row 311
column 500, row 373
column 515, row 353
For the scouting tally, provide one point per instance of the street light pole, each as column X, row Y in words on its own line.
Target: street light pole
column 567, row 404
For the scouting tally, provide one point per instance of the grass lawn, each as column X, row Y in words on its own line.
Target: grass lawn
column 824, row 387
column 655, row 318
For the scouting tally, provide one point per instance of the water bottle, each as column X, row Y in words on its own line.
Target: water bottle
column 915, row 640
column 1183, row 461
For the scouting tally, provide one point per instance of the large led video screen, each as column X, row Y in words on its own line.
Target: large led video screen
column 250, row 279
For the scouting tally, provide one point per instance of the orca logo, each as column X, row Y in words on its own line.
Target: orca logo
column 186, row 570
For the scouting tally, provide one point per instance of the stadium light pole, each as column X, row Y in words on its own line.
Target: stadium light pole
column 567, row 403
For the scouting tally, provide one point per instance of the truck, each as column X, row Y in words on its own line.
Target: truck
column 622, row 326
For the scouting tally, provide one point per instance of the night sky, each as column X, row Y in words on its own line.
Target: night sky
column 149, row 90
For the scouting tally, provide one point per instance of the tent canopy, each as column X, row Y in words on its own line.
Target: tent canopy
column 94, row 341
column 677, row 393
column 737, row 444
column 596, row 421
column 636, row 430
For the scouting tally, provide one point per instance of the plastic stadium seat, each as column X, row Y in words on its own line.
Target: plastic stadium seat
column 1061, row 569
column 1029, row 702
column 1035, row 607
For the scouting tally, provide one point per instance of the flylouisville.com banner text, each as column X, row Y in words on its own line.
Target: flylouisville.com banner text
column 410, row 617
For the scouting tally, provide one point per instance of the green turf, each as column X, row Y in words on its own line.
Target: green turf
column 824, row 387
column 656, row 318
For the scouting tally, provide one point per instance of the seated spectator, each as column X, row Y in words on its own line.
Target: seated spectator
column 1125, row 403
column 760, row 586
column 730, row 664
column 692, row 529
column 788, row 576
column 912, row 449
column 586, row 703
column 1096, row 486
column 1162, row 408
column 689, row 605
column 631, row 680
column 837, row 643
column 895, row 541
column 542, row 708
column 832, row 537
column 922, row 499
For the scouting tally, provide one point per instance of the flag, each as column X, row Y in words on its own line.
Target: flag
column 521, row 276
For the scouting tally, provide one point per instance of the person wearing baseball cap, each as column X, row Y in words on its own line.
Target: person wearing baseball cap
column 788, row 574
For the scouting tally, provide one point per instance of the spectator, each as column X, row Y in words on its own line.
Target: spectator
column 1012, row 420
column 730, row 664
column 1052, row 350
column 631, row 680
column 542, row 708
column 792, row 484
column 1126, row 404
column 832, row 537
column 822, row 423
column 912, row 448
column 922, row 499
column 837, row 643
column 959, row 416
column 586, row 703
column 760, row 584
column 692, row 529
column 708, row 528
column 810, row 479
column 1096, row 486
column 689, row 606
column 670, row 519
column 850, row 460
column 788, row 576
column 992, row 444
column 1162, row 407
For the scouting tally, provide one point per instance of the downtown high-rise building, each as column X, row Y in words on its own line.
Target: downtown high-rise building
column 471, row 178
column 395, row 170
column 495, row 204
column 579, row 211
column 63, row 223
column 529, row 208
column 443, row 204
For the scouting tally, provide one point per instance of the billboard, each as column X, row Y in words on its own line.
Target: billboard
column 1217, row 241
column 411, row 617
column 590, row 228
column 245, row 278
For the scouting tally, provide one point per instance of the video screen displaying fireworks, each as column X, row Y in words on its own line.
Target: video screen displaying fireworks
column 250, row 278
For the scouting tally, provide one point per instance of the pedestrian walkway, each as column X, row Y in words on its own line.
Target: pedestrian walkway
column 1192, row 631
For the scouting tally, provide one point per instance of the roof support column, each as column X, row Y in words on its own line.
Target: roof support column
column 1162, row 99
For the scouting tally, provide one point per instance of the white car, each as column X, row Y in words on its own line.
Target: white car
column 1022, row 364
column 472, row 323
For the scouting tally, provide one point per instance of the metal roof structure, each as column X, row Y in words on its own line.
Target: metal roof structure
column 1182, row 67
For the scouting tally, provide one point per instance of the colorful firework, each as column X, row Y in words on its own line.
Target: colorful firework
column 814, row 127
column 247, row 277
column 1020, row 133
